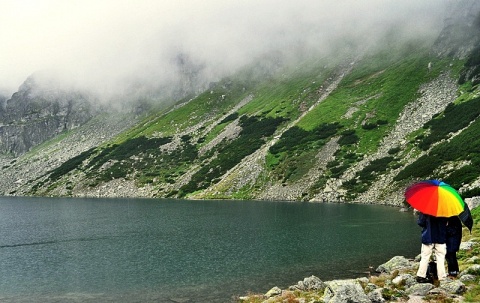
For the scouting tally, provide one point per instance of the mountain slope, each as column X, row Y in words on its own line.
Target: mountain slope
column 354, row 127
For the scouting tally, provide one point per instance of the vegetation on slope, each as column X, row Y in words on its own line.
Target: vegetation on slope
column 365, row 107
column 254, row 132
column 184, row 150
column 462, row 148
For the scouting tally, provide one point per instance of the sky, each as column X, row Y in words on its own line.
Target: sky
column 103, row 45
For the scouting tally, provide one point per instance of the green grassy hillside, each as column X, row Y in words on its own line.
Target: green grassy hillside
column 261, row 133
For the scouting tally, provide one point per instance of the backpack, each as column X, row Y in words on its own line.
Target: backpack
column 432, row 271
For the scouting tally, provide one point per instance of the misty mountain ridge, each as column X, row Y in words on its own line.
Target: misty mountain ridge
column 342, row 126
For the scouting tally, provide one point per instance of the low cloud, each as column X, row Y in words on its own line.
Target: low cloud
column 109, row 46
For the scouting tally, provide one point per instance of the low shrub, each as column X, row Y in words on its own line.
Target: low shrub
column 70, row 165
column 348, row 138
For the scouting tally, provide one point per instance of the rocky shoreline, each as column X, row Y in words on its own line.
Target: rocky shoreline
column 393, row 281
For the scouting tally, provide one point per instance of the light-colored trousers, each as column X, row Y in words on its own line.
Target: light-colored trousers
column 440, row 251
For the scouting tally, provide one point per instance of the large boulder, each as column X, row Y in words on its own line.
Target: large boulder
column 345, row 291
column 275, row 291
column 310, row 283
column 453, row 286
column 420, row 289
column 395, row 263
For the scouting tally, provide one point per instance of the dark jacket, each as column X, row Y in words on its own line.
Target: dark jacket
column 454, row 234
column 434, row 229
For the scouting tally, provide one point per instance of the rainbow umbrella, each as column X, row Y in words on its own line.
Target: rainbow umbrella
column 434, row 197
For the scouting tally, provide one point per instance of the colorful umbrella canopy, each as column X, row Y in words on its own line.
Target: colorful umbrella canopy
column 434, row 197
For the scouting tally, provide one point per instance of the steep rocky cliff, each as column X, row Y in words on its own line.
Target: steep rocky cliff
column 35, row 114
column 461, row 31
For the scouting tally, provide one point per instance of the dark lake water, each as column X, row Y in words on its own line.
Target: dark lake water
column 145, row 250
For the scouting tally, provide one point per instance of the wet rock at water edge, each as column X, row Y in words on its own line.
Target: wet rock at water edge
column 275, row 291
column 395, row 263
column 310, row 283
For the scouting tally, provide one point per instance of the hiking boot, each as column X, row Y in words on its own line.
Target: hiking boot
column 422, row 280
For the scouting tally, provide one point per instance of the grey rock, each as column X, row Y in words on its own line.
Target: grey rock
column 472, row 270
column 467, row 245
column 310, row 283
column 473, row 202
column 405, row 279
column 473, row 259
column 467, row 278
column 453, row 286
column 397, row 262
column 275, row 291
column 345, row 291
column 419, row 289
column 375, row 296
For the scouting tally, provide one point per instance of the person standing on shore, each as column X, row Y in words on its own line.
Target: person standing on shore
column 454, row 238
column 434, row 238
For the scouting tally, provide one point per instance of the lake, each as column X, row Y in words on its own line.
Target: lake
column 148, row 250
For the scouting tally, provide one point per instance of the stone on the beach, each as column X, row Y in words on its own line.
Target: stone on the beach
column 395, row 263
column 405, row 279
column 275, row 291
column 310, row 283
column 420, row 289
column 472, row 270
column 453, row 286
column 376, row 296
column 467, row 245
column 342, row 291
column 467, row 278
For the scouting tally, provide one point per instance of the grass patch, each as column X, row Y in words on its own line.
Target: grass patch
column 379, row 94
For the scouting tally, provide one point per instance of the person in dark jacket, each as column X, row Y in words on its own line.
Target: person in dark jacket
column 434, row 238
column 454, row 238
